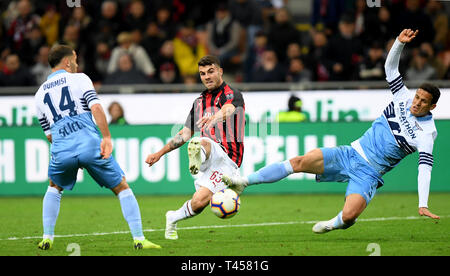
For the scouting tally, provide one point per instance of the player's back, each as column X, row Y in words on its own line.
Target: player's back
column 63, row 106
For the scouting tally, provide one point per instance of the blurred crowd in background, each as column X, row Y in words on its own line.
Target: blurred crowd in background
column 160, row 41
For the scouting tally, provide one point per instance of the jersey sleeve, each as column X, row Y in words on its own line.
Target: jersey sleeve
column 193, row 117
column 426, row 161
column 233, row 97
column 88, row 93
column 393, row 77
column 43, row 120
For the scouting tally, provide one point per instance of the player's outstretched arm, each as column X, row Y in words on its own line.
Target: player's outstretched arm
column 100, row 118
column 393, row 58
column 209, row 122
column 180, row 139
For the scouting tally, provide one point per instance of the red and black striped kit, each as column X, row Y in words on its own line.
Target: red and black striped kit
column 230, row 133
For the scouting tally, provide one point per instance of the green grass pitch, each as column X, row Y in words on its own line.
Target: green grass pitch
column 266, row 225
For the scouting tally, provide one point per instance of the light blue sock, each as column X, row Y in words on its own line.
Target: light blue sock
column 50, row 211
column 271, row 173
column 339, row 223
column 131, row 213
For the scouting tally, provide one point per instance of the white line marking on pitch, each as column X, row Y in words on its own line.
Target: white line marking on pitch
column 217, row 226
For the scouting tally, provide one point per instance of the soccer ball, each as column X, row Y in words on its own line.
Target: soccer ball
column 225, row 203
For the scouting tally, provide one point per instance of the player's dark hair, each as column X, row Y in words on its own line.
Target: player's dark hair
column 433, row 90
column 209, row 60
column 57, row 53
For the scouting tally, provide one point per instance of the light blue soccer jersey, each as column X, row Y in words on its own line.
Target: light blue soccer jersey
column 397, row 133
column 392, row 136
column 63, row 105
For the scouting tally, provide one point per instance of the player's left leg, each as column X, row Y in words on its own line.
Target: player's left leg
column 62, row 175
column 107, row 173
column 353, row 207
column 189, row 209
column 132, row 214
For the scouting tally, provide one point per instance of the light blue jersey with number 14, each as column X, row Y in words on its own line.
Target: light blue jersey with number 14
column 63, row 105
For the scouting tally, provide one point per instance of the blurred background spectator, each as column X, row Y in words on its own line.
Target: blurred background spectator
column 126, row 72
column 188, row 49
column 297, row 71
column 344, row 50
column 15, row 74
column 270, row 70
column 41, row 69
column 421, row 68
column 224, row 34
column 166, row 68
column 136, row 51
column 372, row 66
column 116, row 112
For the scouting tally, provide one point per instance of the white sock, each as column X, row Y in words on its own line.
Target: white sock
column 183, row 213
column 338, row 223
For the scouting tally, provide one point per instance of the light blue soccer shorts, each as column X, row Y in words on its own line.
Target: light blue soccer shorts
column 106, row 172
column 344, row 164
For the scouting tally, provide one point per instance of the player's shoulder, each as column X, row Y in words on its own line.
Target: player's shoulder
column 40, row 92
column 227, row 89
column 427, row 126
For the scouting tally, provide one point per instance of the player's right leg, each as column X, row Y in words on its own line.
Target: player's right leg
column 50, row 211
column 312, row 162
column 198, row 151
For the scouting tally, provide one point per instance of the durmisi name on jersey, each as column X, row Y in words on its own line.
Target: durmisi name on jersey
column 54, row 83
column 70, row 128
column 402, row 118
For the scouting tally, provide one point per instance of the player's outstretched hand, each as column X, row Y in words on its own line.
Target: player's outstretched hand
column 106, row 148
column 425, row 212
column 407, row 35
column 152, row 159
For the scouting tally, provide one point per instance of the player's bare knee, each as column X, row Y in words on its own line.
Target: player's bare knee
column 53, row 185
column 123, row 185
column 297, row 163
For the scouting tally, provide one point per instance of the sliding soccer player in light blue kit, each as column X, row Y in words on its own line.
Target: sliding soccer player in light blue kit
column 405, row 126
column 65, row 104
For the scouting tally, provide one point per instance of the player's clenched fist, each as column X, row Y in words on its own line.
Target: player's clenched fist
column 152, row 159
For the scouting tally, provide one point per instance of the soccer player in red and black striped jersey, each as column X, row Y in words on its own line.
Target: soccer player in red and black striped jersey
column 219, row 115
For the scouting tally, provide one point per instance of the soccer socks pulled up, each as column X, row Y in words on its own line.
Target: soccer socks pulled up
column 50, row 211
column 271, row 173
column 183, row 213
column 338, row 223
column 131, row 213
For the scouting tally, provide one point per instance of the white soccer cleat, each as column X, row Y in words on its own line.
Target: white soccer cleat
column 195, row 158
column 171, row 228
column 322, row 227
column 237, row 183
